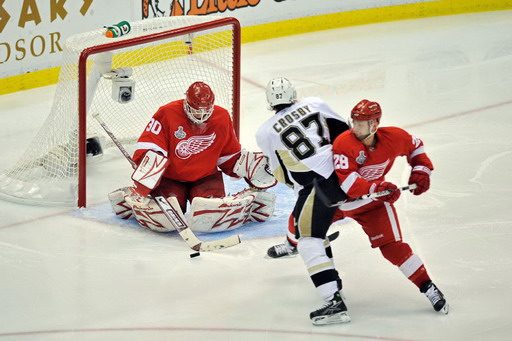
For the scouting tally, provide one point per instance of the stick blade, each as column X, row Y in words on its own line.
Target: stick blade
column 220, row 244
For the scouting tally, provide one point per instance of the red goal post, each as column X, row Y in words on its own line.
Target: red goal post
column 164, row 55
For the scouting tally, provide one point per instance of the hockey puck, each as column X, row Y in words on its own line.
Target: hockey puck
column 193, row 255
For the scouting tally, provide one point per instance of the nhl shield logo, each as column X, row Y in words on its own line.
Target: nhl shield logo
column 361, row 158
column 180, row 134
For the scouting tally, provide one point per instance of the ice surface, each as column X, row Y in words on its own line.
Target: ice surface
column 70, row 274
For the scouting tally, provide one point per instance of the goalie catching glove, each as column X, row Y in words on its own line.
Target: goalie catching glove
column 253, row 166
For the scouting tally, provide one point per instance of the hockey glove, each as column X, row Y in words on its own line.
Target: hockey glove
column 254, row 167
column 420, row 176
column 386, row 186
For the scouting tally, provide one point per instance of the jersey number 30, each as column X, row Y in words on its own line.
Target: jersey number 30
column 154, row 126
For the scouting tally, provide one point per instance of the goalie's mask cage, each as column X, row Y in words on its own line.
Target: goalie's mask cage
column 153, row 65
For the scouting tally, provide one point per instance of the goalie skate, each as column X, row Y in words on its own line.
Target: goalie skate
column 334, row 311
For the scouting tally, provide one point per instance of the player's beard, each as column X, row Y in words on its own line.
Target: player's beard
column 361, row 137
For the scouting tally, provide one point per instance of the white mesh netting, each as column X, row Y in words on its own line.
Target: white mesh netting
column 47, row 173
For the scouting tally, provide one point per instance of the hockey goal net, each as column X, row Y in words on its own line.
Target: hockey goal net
column 162, row 57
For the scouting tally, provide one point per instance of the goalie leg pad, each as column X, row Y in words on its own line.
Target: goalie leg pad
column 253, row 166
column 149, row 215
column 219, row 214
column 262, row 206
column 118, row 202
column 231, row 212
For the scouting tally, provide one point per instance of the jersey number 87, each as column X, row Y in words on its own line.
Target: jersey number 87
column 298, row 142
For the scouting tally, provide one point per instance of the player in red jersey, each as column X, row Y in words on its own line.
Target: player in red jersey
column 362, row 158
column 182, row 153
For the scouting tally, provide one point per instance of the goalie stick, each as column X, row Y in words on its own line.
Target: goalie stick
column 170, row 212
column 329, row 203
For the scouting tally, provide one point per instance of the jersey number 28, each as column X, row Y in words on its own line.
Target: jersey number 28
column 340, row 161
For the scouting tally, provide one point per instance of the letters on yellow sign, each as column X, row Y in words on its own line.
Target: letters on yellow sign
column 210, row 6
column 30, row 12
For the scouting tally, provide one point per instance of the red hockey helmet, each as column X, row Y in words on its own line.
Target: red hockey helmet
column 198, row 103
column 366, row 111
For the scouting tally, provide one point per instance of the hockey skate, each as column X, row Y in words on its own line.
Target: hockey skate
column 282, row 250
column 334, row 311
column 287, row 249
column 436, row 297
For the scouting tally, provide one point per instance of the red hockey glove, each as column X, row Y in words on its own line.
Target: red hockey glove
column 421, row 177
column 385, row 186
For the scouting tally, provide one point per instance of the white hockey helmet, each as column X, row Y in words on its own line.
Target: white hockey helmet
column 280, row 91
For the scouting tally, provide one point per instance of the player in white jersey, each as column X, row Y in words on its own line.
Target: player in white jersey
column 297, row 140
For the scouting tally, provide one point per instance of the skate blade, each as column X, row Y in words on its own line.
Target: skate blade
column 445, row 309
column 331, row 319
column 293, row 255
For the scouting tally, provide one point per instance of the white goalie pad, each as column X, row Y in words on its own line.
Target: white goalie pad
column 231, row 212
column 253, row 166
column 118, row 202
column 148, row 214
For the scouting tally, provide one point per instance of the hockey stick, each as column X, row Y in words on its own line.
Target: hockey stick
column 329, row 203
column 170, row 212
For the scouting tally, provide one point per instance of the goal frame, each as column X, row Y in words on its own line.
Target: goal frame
column 82, row 84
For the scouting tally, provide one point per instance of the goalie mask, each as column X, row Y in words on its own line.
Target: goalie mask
column 198, row 103
column 280, row 91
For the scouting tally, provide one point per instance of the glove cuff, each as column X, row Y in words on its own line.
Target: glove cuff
column 422, row 169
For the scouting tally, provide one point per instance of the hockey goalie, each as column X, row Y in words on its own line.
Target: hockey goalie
column 183, row 152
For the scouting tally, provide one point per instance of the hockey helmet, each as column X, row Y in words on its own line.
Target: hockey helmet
column 280, row 91
column 366, row 111
column 199, row 99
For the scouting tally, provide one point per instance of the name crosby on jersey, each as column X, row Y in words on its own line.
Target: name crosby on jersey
column 291, row 118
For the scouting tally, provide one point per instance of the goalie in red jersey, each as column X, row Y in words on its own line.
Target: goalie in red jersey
column 181, row 155
column 362, row 158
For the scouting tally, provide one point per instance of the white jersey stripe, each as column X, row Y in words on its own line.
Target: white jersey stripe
column 349, row 181
column 417, row 152
column 225, row 158
column 152, row 146
column 392, row 220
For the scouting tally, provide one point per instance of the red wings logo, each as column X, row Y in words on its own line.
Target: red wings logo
column 373, row 172
column 194, row 145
